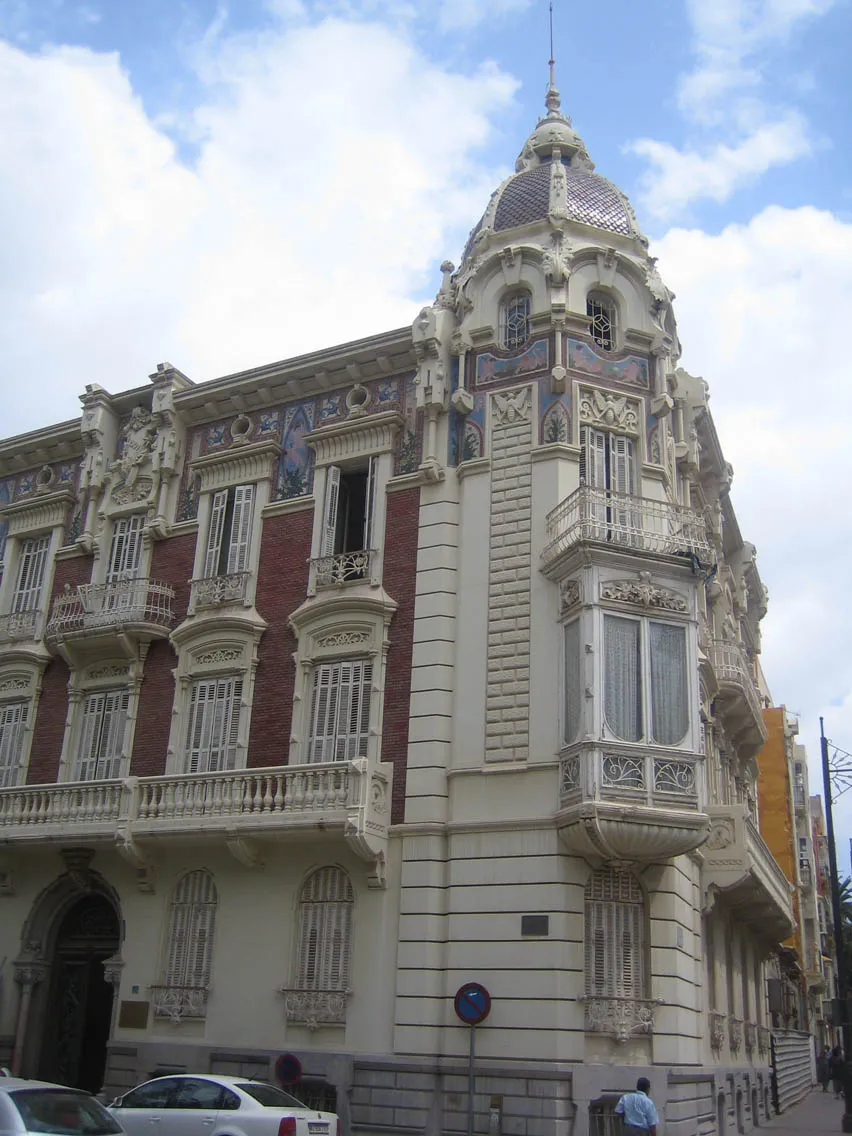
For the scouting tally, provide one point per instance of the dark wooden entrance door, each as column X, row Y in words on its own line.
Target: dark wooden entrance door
column 77, row 1019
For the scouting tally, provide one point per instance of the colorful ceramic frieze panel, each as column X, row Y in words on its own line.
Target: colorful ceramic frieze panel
column 554, row 416
column 408, row 446
column 494, row 369
column 653, row 451
column 295, row 466
column 632, row 371
column 467, row 433
column 7, row 488
column 190, row 483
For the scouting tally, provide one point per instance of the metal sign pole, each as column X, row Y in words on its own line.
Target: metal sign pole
column 470, row 1084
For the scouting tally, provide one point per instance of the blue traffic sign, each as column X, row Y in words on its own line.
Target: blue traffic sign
column 288, row 1069
column 472, row 1003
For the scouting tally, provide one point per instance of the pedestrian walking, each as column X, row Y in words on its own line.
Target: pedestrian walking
column 835, row 1068
column 640, row 1116
column 823, row 1074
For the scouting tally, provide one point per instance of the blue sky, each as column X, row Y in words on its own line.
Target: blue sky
column 224, row 185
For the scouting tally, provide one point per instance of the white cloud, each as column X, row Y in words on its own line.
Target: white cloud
column 678, row 177
column 304, row 220
column 456, row 14
column 762, row 310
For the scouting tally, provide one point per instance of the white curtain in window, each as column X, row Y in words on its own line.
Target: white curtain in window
column 192, row 919
column 13, row 721
column 325, row 931
column 622, row 678
column 573, row 681
column 615, row 936
column 669, row 686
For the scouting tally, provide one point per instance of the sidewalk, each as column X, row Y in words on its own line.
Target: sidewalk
column 819, row 1112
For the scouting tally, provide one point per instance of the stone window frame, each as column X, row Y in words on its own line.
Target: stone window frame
column 100, row 677
column 604, row 297
column 21, row 683
column 181, row 1001
column 642, row 953
column 509, row 298
column 214, row 653
column 28, row 520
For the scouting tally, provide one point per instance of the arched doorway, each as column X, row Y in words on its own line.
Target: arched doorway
column 79, row 1006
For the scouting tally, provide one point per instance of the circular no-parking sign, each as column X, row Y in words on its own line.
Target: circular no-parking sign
column 288, row 1069
column 472, row 1003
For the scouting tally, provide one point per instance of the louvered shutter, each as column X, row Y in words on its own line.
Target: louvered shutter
column 213, row 729
column 240, row 534
column 369, row 502
column 31, row 566
column 621, row 464
column 13, row 720
column 323, row 712
column 615, row 936
column 332, row 500
column 325, row 931
column 126, row 548
column 112, row 734
column 189, row 950
column 87, row 753
column 215, row 532
column 592, row 458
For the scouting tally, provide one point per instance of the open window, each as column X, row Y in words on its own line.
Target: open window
column 229, row 534
column 347, row 525
column 607, row 472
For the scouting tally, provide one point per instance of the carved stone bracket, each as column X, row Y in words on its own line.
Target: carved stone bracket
column 569, row 595
column 78, row 866
column 138, row 859
column 246, row 851
column 368, row 818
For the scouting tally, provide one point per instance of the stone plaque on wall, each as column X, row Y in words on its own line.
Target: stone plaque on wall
column 133, row 1015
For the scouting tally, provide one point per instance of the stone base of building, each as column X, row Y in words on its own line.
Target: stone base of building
column 400, row 1097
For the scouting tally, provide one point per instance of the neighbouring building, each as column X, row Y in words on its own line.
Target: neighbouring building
column 328, row 686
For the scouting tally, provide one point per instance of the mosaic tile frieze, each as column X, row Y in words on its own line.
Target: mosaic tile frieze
column 631, row 371
column 491, row 368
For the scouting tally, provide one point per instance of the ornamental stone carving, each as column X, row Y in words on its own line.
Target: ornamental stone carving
column 315, row 1008
column 717, row 1031
column 344, row 639
column 111, row 670
column 608, row 410
column 137, row 490
column 643, row 593
column 569, row 595
column 516, row 406
column 621, row 1018
column 137, row 438
column 222, row 655
column 721, row 835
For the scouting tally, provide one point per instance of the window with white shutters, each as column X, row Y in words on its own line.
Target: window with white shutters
column 13, row 723
column 340, row 710
column 229, row 533
column 126, row 548
column 646, row 688
column 32, row 562
column 102, row 729
column 214, row 721
column 325, row 931
column 189, row 944
column 616, row 948
column 348, row 509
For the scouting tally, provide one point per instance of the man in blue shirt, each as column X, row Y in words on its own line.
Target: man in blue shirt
column 638, row 1111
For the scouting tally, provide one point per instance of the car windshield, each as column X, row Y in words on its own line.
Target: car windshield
column 63, row 1111
column 270, row 1096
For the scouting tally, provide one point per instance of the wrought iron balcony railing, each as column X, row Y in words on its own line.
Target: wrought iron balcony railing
column 20, row 626
column 717, row 1030
column 177, row 1003
column 735, row 1034
column 652, row 777
column 121, row 602
column 342, row 568
column 806, row 875
column 315, row 1008
column 622, row 521
column 216, row 591
column 733, row 671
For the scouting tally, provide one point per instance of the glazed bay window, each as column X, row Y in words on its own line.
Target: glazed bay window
column 646, row 687
column 13, row 723
column 214, row 722
column 573, row 681
column 102, row 734
column 340, row 710
column 347, row 525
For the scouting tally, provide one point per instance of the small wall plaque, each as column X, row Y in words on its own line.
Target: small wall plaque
column 133, row 1015
column 535, row 924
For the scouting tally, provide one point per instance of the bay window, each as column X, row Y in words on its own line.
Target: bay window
column 573, row 681
column 646, row 689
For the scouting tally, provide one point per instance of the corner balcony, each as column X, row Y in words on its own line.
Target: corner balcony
column 619, row 521
column 123, row 612
column 737, row 700
column 349, row 801
column 739, row 866
column 638, row 805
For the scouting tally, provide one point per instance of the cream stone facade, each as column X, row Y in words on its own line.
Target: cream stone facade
column 423, row 660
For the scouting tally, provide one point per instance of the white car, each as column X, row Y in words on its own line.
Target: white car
column 39, row 1107
column 202, row 1105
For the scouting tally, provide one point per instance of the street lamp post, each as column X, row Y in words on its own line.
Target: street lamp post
column 842, row 974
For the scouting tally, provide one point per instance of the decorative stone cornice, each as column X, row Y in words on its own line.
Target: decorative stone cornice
column 37, row 513
column 356, row 437
column 239, row 466
column 644, row 593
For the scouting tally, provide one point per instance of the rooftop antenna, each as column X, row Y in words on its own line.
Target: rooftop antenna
column 552, row 100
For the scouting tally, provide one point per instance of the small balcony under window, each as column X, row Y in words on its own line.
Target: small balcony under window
column 346, row 555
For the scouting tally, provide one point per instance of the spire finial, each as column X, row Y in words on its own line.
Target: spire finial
column 552, row 100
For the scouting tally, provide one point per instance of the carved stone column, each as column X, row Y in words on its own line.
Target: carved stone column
column 30, row 970
column 113, row 966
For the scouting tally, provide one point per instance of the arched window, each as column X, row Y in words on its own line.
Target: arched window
column 515, row 321
column 601, row 311
column 189, row 948
column 615, row 936
column 325, row 932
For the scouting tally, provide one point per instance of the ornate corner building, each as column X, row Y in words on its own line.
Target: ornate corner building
column 330, row 685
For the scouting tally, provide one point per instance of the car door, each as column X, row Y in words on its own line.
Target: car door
column 194, row 1107
column 142, row 1110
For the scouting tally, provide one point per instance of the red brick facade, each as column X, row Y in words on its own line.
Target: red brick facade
column 49, row 725
column 399, row 577
column 282, row 584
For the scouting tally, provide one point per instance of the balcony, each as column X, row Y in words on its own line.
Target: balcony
column 124, row 612
column 343, row 568
column 620, row 803
column 218, row 591
column 806, row 876
column 20, row 627
column 717, row 1031
column 617, row 520
column 739, row 866
column 800, row 799
column 621, row 1018
column 348, row 799
column 737, row 700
